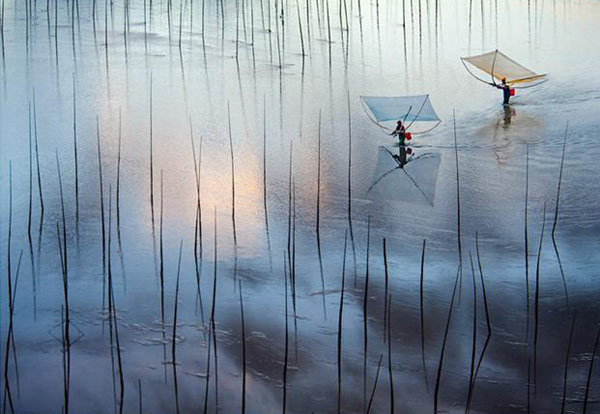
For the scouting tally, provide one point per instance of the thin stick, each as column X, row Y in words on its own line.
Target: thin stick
column 300, row 28
column 56, row 34
column 140, row 396
column 180, row 21
column 488, row 323
column 113, row 311
column 232, row 176
column 443, row 349
column 212, row 313
column 328, row 30
column 198, row 227
column 318, row 219
column 474, row 337
column 385, row 291
column 565, row 378
column 590, row 371
column 527, row 234
column 76, row 164
column 151, row 156
column 350, row 186
column 11, row 328
column 422, row 308
column 174, row 339
column 125, row 28
column 537, row 303
column 206, row 389
column 262, row 14
column 161, row 272
column 243, row 349
column 37, row 161
column 285, row 358
column 106, row 45
column 146, row 25
column 389, row 341
column 265, row 204
column 2, row 40
column 562, row 160
column 458, row 223
column 529, row 382
column 289, row 231
column 65, row 274
column 293, row 269
column 308, row 22
column 110, row 307
column 374, row 385
column 366, row 316
column 103, row 230
column 339, row 335
column 485, row 301
column 237, row 29
column 30, row 179
column 7, row 391
column 118, row 190
column 175, row 306
column 65, row 261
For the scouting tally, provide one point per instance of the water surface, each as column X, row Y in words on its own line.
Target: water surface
column 130, row 74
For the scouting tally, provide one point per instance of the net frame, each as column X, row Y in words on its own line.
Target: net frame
column 530, row 77
column 415, row 118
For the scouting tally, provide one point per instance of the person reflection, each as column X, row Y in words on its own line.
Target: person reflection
column 508, row 114
column 405, row 155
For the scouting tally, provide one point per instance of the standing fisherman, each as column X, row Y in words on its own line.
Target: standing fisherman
column 505, row 90
column 400, row 132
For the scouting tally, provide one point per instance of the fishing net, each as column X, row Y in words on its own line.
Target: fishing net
column 401, row 108
column 414, row 184
column 498, row 65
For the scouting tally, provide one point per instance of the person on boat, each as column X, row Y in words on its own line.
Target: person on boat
column 400, row 132
column 505, row 90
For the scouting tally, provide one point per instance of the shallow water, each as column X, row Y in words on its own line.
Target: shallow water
column 280, row 103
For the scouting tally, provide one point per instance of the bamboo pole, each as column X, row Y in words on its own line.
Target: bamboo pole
column 438, row 379
column 339, row 334
column 243, row 409
column 537, row 304
column 374, row 385
column 366, row 316
column 554, row 244
column 232, row 176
